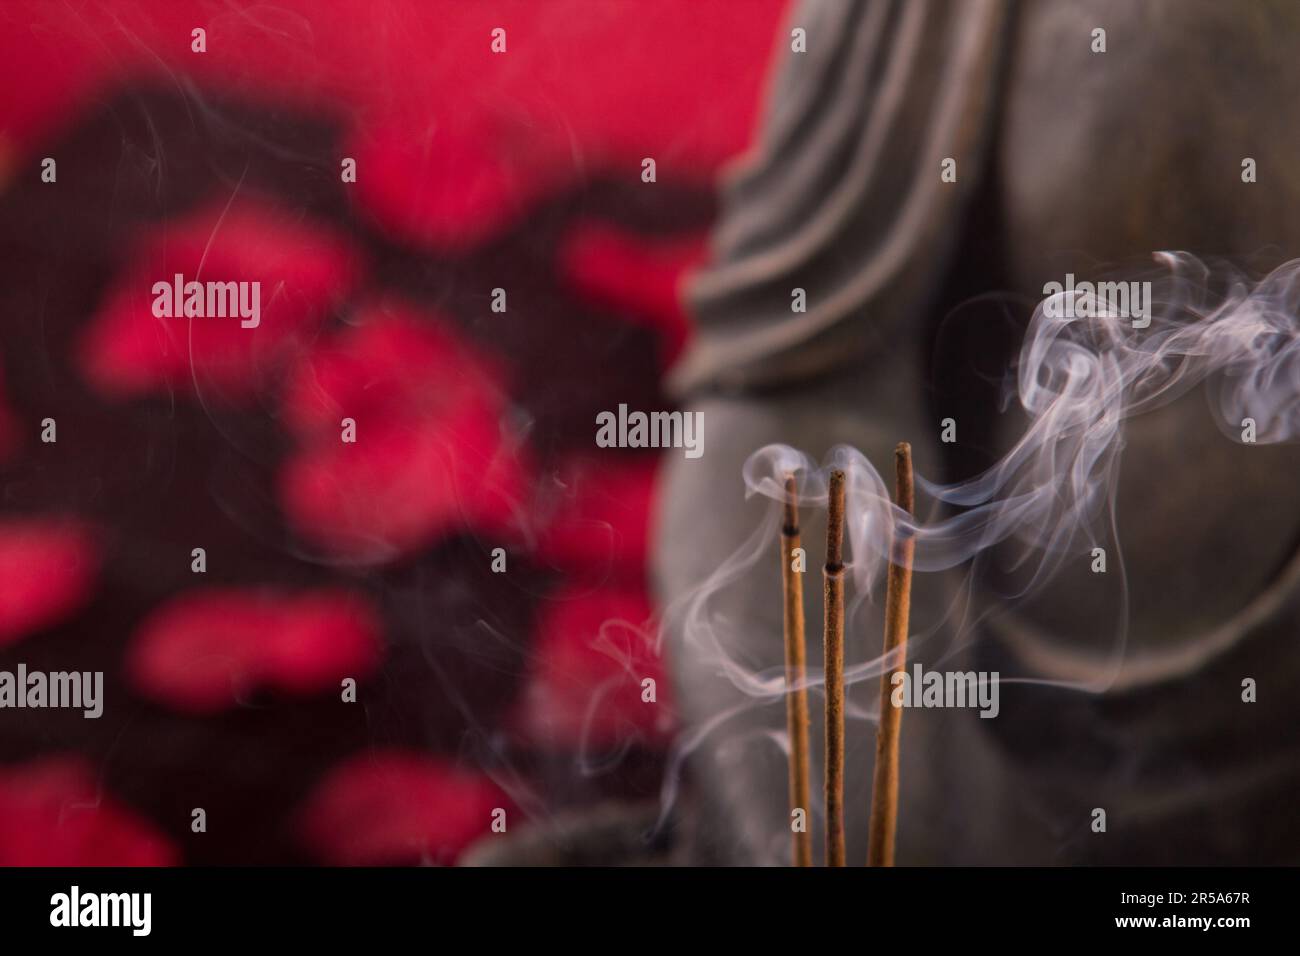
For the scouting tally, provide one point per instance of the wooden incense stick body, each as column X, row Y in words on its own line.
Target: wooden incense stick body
column 796, row 701
column 884, row 788
column 833, row 640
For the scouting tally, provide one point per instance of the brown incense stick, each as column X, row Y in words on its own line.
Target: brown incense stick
column 796, row 701
column 898, row 599
column 833, row 641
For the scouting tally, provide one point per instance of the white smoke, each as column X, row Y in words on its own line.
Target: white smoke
column 1078, row 381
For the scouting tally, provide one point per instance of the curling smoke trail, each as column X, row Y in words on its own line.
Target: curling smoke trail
column 1078, row 380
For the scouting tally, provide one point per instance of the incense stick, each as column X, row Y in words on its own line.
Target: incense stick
column 833, row 641
column 796, row 701
column 898, row 598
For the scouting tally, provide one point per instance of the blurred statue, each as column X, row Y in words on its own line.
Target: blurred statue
column 924, row 170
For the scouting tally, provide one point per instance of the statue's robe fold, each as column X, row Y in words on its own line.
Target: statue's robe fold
column 844, row 196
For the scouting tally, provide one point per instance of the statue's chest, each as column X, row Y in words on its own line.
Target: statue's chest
column 1169, row 140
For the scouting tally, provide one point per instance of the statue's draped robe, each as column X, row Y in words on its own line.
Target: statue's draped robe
column 844, row 197
column 1099, row 160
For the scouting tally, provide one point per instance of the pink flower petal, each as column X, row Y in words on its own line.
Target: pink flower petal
column 571, row 80
column 48, row 568
column 636, row 275
column 591, row 653
column 392, row 807
column 202, row 651
column 597, row 515
column 53, row 813
column 400, row 487
column 430, row 455
column 302, row 269
column 450, row 189
column 394, row 360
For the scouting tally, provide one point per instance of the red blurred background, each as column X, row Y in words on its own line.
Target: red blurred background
column 475, row 171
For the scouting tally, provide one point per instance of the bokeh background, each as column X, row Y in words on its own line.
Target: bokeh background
column 475, row 429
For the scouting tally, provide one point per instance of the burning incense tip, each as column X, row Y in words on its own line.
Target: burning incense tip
column 835, row 523
column 898, row 596
column 790, row 514
column 904, row 491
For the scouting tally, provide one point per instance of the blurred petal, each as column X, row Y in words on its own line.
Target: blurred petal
column 48, row 568
column 54, row 813
column 638, row 276
column 591, row 653
column 597, row 515
column 394, row 360
column 392, row 807
column 688, row 90
column 450, row 189
column 431, row 457
column 303, row 272
column 203, row 651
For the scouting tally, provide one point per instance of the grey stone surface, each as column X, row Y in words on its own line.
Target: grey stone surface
column 1073, row 162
